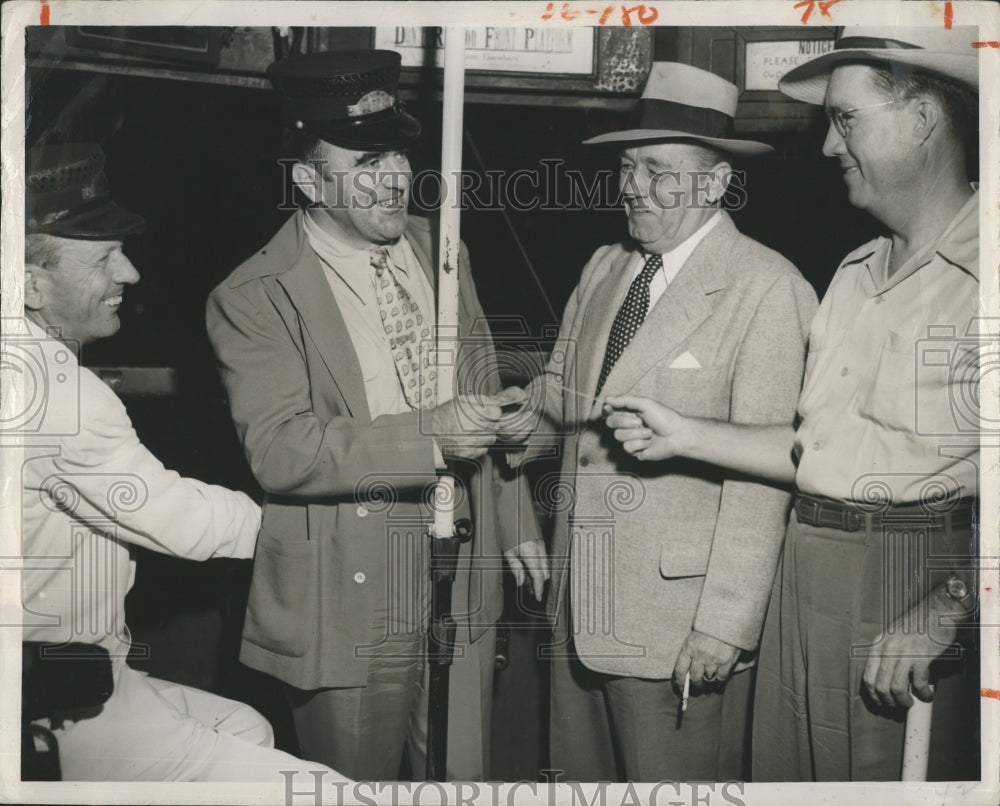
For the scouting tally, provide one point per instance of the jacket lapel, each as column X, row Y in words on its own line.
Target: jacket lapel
column 309, row 291
column 686, row 303
column 607, row 298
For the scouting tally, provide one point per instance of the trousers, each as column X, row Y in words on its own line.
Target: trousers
column 365, row 730
column 835, row 593
column 609, row 728
column 154, row 730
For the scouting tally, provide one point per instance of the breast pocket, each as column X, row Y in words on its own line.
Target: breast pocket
column 891, row 399
column 929, row 386
column 369, row 355
column 825, row 355
column 702, row 392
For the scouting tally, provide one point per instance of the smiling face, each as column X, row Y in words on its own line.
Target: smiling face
column 669, row 191
column 80, row 291
column 877, row 154
column 364, row 194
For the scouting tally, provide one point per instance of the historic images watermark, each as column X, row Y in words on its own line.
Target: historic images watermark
column 300, row 791
column 550, row 186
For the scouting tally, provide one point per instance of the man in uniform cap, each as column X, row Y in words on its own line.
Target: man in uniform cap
column 669, row 565
column 877, row 576
column 91, row 491
column 323, row 342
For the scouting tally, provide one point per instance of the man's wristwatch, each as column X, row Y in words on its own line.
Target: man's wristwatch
column 958, row 590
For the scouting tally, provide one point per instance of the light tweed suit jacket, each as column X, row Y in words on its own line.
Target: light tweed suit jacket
column 644, row 552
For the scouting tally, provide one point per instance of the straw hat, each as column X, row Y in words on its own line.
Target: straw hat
column 944, row 52
column 686, row 103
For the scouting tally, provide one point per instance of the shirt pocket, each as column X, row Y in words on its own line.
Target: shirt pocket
column 371, row 354
column 826, row 350
column 929, row 386
column 903, row 393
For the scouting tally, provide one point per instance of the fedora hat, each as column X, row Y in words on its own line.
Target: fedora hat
column 944, row 52
column 348, row 98
column 66, row 194
column 681, row 102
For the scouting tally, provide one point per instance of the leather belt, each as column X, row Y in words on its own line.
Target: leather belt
column 833, row 514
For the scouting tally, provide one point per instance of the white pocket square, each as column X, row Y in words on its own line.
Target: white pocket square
column 685, row 361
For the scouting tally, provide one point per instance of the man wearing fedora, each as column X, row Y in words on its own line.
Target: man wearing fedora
column 91, row 491
column 669, row 565
column 877, row 584
column 322, row 340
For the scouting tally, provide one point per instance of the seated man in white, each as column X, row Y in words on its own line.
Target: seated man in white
column 91, row 491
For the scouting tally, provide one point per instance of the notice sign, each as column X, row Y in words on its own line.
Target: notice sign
column 766, row 62
column 499, row 49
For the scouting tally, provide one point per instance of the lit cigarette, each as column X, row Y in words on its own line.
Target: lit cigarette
column 589, row 398
column 687, row 692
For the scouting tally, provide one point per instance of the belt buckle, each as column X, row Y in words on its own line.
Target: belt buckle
column 851, row 520
column 809, row 511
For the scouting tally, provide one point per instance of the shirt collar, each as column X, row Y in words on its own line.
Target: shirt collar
column 957, row 245
column 350, row 264
column 679, row 254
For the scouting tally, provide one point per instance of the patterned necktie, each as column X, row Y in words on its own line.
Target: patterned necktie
column 408, row 335
column 629, row 317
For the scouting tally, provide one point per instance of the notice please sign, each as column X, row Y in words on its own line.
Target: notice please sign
column 767, row 62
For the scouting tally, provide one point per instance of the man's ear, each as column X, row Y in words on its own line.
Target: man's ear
column 719, row 182
column 929, row 117
column 307, row 179
column 34, row 288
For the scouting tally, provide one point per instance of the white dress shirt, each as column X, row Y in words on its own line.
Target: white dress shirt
column 351, row 278
column 672, row 260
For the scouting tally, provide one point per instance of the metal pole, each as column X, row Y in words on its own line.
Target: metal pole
column 445, row 540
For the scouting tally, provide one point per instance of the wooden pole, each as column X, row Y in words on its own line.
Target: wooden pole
column 444, row 540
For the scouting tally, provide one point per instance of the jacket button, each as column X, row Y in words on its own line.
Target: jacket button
column 362, row 511
column 559, row 378
column 360, row 577
column 584, row 461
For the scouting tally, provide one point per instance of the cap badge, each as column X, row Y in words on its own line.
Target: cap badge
column 374, row 101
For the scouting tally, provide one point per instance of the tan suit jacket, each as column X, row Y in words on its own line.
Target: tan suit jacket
column 655, row 549
column 343, row 514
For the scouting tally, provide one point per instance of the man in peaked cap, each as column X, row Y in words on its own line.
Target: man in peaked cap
column 91, row 491
column 877, row 588
column 322, row 342
column 669, row 564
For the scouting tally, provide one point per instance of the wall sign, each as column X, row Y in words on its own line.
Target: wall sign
column 767, row 62
column 499, row 49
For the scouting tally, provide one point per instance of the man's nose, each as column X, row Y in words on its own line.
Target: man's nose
column 833, row 145
column 397, row 172
column 124, row 272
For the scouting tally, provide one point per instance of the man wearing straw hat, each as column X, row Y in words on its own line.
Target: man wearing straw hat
column 669, row 565
column 878, row 568
column 323, row 342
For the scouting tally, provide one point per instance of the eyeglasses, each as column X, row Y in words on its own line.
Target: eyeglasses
column 840, row 119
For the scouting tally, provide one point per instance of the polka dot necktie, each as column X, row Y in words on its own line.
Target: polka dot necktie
column 629, row 317
column 408, row 335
